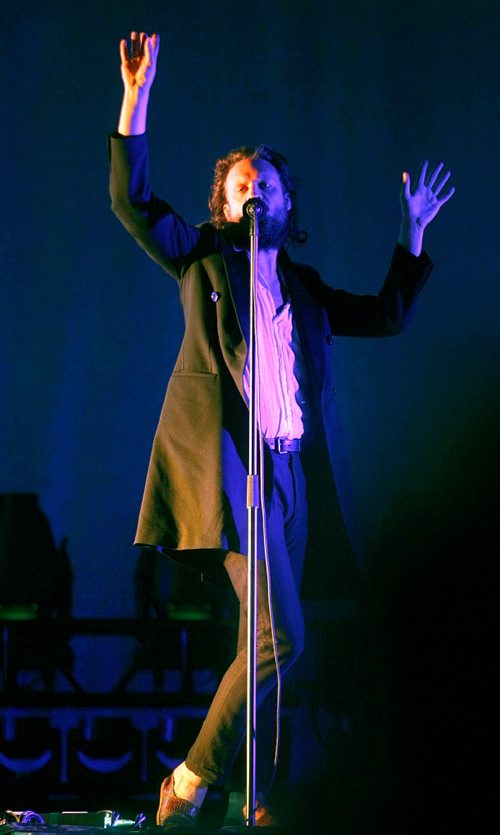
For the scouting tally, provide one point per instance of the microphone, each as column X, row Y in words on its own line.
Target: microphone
column 253, row 208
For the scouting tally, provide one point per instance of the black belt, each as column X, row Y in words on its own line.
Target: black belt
column 283, row 445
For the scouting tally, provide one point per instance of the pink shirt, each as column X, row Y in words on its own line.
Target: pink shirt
column 278, row 410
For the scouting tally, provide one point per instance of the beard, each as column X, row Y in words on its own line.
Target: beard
column 273, row 231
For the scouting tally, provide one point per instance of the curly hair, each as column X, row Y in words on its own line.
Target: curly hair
column 218, row 197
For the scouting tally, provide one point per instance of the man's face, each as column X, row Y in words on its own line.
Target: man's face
column 250, row 178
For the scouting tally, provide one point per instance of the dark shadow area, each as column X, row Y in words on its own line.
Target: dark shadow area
column 35, row 585
column 433, row 642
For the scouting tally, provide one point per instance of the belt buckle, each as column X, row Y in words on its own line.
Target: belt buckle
column 281, row 444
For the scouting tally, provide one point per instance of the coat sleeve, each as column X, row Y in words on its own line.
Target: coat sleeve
column 385, row 314
column 152, row 222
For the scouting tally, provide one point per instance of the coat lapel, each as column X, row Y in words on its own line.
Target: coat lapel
column 238, row 272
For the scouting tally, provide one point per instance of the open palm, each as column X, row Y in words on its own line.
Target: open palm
column 138, row 63
column 422, row 205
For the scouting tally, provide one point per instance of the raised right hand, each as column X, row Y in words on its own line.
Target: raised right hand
column 138, row 64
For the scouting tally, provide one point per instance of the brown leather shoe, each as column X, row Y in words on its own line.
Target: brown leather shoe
column 172, row 810
column 263, row 816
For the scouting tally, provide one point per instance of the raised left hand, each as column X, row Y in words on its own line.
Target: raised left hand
column 420, row 206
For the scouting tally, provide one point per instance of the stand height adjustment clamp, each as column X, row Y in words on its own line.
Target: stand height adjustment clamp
column 253, row 491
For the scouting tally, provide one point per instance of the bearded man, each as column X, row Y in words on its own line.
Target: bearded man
column 194, row 505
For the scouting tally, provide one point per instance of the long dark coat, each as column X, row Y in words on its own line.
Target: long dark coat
column 198, row 465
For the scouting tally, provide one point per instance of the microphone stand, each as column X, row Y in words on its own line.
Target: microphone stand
column 252, row 209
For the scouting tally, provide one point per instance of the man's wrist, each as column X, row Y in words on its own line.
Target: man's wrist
column 133, row 113
column 411, row 238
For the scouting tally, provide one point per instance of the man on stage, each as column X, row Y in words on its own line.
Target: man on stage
column 194, row 504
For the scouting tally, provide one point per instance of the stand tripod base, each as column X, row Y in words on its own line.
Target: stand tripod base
column 242, row 828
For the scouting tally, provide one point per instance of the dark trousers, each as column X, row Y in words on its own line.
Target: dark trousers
column 222, row 733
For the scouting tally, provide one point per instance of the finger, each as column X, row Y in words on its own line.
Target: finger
column 442, row 182
column 406, row 185
column 422, row 173
column 147, row 52
column 142, row 42
column 435, row 175
column 151, row 48
column 444, row 199
column 124, row 51
column 155, row 38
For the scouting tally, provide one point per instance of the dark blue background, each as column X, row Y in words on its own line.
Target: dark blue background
column 353, row 92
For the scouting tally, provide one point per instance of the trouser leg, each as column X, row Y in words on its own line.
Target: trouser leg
column 213, row 753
